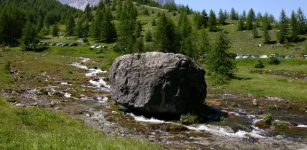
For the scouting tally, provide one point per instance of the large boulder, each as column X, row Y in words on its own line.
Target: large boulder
column 158, row 83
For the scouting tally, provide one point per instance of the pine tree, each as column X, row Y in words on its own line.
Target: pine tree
column 283, row 27
column 88, row 13
column 222, row 18
column 220, row 61
column 184, row 25
column 250, row 19
column 212, row 22
column 233, row 14
column 203, row 44
column 241, row 26
column 244, row 15
column 302, row 21
column 165, row 37
column 266, row 35
column 29, row 36
column 148, row 36
column 205, row 18
column 255, row 32
column 138, row 29
column 108, row 31
column 188, row 47
column 70, row 26
column 55, row 30
column 266, row 22
column 294, row 28
column 198, row 21
column 95, row 29
column 128, row 20
column 139, row 45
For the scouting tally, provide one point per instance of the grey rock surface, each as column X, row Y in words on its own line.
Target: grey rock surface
column 157, row 83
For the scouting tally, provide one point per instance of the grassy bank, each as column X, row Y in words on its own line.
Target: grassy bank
column 286, row 83
column 34, row 128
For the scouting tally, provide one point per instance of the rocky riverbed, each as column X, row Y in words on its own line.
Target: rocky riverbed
column 89, row 99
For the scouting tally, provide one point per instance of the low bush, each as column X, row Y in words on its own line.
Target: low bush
column 259, row 64
column 274, row 61
column 268, row 118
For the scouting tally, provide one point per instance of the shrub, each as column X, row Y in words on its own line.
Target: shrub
column 188, row 118
column 268, row 118
column 280, row 125
column 274, row 107
column 274, row 61
column 259, row 64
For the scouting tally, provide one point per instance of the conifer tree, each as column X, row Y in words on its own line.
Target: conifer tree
column 198, row 21
column 283, row 27
column 203, row 44
column 128, row 20
column 70, row 26
column 241, row 26
column 250, row 19
column 255, row 32
column 266, row 35
column 294, row 28
column 219, row 60
column 205, row 18
column 165, row 36
column 29, row 36
column 233, row 14
column 108, row 31
column 302, row 22
column 55, row 30
column 222, row 18
column 148, row 36
column 212, row 22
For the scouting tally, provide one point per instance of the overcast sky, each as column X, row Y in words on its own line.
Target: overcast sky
column 271, row 6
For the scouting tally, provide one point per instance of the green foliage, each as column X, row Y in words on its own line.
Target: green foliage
column 15, row 14
column 70, row 26
column 274, row 61
column 302, row 21
column 241, row 26
column 198, row 20
column 220, row 61
column 250, row 19
column 29, row 37
column 280, row 125
column 266, row 36
column 128, row 21
column 274, row 107
column 268, row 118
column 82, row 28
column 255, row 32
column 203, row 45
column 148, row 36
column 294, row 26
column 188, row 118
column 283, row 28
column 222, row 17
column 233, row 14
column 102, row 29
column 55, row 30
column 212, row 22
column 165, row 36
column 259, row 64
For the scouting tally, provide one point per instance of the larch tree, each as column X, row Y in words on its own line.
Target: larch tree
column 212, row 22
column 165, row 36
column 283, row 28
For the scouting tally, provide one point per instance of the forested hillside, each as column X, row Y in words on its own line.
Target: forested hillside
column 40, row 15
